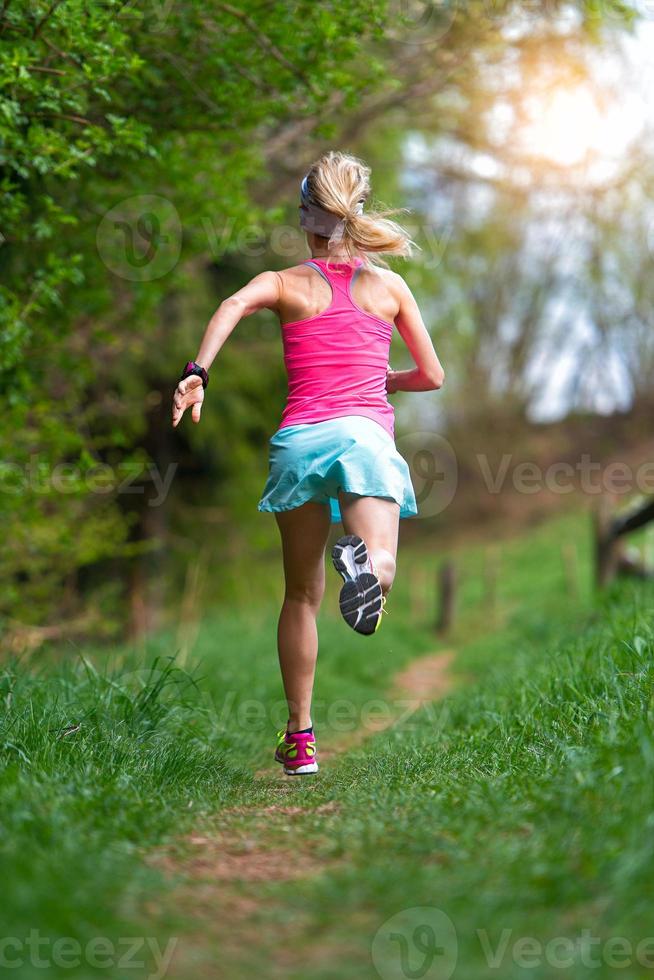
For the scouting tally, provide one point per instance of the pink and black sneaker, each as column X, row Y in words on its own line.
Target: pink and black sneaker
column 297, row 752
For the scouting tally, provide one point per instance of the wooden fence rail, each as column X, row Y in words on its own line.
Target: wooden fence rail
column 611, row 558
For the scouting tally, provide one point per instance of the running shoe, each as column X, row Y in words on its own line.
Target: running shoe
column 297, row 752
column 361, row 600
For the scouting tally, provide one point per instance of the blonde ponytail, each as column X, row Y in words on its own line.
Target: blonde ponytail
column 340, row 184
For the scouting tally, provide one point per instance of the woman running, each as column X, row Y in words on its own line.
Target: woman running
column 333, row 457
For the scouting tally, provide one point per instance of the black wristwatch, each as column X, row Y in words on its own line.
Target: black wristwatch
column 193, row 368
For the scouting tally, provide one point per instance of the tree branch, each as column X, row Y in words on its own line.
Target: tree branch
column 49, row 71
column 69, row 117
column 60, row 53
column 5, row 8
column 263, row 41
column 46, row 17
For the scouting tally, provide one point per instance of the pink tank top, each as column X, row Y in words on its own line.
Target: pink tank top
column 336, row 361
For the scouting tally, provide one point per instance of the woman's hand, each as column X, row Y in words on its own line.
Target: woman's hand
column 189, row 393
column 390, row 380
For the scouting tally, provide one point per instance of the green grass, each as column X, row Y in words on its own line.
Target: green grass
column 526, row 806
column 520, row 806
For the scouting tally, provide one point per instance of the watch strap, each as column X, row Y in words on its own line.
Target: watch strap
column 194, row 369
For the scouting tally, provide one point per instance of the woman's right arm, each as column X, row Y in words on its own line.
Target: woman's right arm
column 428, row 373
column 261, row 293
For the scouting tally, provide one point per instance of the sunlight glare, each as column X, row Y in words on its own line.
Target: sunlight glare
column 567, row 127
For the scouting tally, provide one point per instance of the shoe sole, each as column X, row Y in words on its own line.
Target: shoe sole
column 360, row 600
column 302, row 770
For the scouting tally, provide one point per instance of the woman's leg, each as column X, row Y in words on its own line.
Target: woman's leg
column 304, row 532
column 376, row 520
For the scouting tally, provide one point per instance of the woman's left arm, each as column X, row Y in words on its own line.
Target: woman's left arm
column 428, row 373
column 261, row 293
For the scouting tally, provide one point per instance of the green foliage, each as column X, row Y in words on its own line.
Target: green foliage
column 126, row 131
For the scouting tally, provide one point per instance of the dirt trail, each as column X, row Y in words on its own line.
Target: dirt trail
column 427, row 678
column 220, row 869
column 424, row 681
column 236, row 852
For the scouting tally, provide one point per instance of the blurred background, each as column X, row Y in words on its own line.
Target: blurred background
column 151, row 155
column 150, row 160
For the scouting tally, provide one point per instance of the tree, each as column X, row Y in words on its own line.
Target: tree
column 122, row 128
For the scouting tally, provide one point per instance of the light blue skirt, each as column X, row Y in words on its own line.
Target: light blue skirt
column 313, row 461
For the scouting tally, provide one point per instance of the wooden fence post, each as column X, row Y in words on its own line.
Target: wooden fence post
column 606, row 558
column 570, row 559
column 492, row 575
column 418, row 589
column 446, row 597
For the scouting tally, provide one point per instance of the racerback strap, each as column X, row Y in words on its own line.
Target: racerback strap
column 340, row 279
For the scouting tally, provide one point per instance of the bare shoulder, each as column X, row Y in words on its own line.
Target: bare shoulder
column 269, row 278
column 393, row 281
column 295, row 271
column 295, row 277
